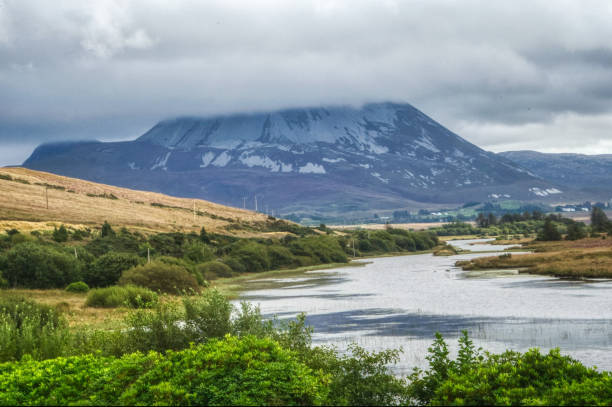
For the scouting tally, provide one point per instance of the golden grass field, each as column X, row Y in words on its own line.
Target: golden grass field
column 586, row 258
column 23, row 206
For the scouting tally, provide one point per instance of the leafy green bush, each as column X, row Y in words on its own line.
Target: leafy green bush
column 214, row 269
column 106, row 269
column 168, row 244
column 510, row 378
column 280, row 257
column 231, row 371
column 161, row 277
column 252, row 255
column 77, row 287
column 28, row 328
column 235, row 264
column 323, row 249
column 208, row 315
column 32, row 265
column 125, row 296
column 198, row 252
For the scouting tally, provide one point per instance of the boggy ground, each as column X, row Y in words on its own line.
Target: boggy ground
column 585, row 258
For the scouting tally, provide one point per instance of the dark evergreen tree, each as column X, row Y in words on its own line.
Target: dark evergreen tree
column 599, row 220
column 60, row 235
column 107, row 230
column 204, row 236
column 549, row 232
column 576, row 231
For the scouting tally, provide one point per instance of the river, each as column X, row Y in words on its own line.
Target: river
column 402, row 301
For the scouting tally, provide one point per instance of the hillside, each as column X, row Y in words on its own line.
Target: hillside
column 23, row 203
column 327, row 161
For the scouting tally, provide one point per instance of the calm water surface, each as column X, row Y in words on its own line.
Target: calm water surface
column 403, row 301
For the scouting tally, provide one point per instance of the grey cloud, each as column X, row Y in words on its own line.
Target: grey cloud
column 109, row 69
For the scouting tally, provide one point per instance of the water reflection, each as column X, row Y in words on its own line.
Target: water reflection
column 403, row 301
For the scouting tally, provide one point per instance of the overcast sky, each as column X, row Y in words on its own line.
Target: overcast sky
column 504, row 75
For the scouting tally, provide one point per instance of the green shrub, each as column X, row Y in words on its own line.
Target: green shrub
column 125, row 296
column 252, row 255
column 60, row 235
column 161, row 277
column 510, row 378
column 77, row 287
column 235, row 264
column 323, row 249
column 205, row 316
column 197, row 252
column 280, row 257
column 168, row 244
column 29, row 328
column 231, row 371
column 106, row 269
column 214, row 269
column 32, row 265
column 208, row 315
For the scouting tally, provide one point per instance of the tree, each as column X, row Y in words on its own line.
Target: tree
column 549, row 232
column 31, row 265
column 576, row 231
column 599, row 220
column 106, row 269
column 204, row 236
column 60, row 235
column 107, row 230
column 481, row 221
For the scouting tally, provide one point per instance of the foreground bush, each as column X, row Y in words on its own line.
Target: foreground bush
column 125, row 296
column 30, row 328
column 161, row 277
column 231, row 371
column 510, row 378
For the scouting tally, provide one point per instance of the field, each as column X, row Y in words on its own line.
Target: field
column 34, row 200
column 585, row 258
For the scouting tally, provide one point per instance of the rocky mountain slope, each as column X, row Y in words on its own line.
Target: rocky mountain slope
column 323, row 160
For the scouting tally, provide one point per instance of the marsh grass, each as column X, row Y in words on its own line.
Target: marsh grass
column 587, row 258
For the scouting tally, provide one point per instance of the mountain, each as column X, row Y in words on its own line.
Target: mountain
column 332, row 160
column 588, row 173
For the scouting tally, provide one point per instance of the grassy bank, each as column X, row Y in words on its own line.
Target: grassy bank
column 586, row 258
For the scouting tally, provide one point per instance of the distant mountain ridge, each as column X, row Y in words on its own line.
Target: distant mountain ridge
column 318, row 160
column 577, row 171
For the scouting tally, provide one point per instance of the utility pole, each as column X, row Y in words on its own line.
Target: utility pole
column 255, row 203
column 244, row 198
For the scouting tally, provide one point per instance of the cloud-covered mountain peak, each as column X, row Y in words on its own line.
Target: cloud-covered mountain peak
column 376, row 128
